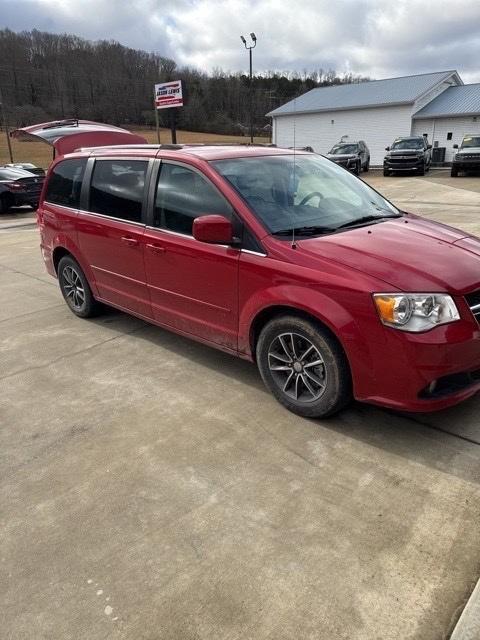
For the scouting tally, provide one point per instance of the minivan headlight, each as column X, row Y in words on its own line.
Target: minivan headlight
column 415, row 311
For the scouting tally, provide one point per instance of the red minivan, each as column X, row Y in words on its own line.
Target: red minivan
column 277, row 256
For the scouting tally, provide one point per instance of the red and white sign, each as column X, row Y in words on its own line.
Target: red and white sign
column 168, row 94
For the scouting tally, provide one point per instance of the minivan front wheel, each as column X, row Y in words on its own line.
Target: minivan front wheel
column 303, row 366
column 75, row 288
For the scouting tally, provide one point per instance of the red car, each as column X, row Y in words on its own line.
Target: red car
column 276, row 256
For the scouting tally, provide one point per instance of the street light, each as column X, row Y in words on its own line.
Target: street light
column 4, row 122
column 249, row 49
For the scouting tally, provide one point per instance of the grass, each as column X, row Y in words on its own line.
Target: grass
column 41, row 154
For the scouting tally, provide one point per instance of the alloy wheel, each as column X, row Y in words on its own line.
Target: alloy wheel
column 73, row 287
column 297, row 367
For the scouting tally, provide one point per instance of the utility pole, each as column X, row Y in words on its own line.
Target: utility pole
column 249, row 49
column 4, row 122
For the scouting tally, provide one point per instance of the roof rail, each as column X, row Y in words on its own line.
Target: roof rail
column 178, row 147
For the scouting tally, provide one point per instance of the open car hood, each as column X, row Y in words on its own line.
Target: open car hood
column 66, row 136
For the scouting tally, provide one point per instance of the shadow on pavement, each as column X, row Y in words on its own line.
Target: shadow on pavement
column 432, row 439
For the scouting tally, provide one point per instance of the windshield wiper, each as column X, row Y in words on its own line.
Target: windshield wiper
column 303, row 231
column 365, row 219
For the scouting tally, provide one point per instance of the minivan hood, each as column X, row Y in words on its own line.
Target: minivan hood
column 408, row 253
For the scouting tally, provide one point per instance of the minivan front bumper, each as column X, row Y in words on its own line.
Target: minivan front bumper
column 427, row 371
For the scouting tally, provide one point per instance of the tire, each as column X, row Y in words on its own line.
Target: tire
column 5, row 203
column 75, row 289
column 326, row 387
column 454, row 172
column 386, row 173
column 421, row 171
column 358, row 168
column 367, row 166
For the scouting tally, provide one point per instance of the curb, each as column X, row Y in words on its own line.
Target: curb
column 16, row 225
column 468, row 625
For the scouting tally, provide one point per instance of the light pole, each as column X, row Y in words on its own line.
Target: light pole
column 249, row 49
column 4, row 122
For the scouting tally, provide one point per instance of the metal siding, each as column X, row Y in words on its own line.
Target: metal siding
column 458, row 126
column 364, row 94
column 431, row 95
column 462, row 100
column 377, row 127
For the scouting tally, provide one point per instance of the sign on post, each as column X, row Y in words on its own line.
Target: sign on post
column 168, row 94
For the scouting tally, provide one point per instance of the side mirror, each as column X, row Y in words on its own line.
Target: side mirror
column 387, row 148
column 213, row 229
column 429, row 146
column 455, row 146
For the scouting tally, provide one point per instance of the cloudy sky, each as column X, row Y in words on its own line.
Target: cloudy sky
column 377, row 38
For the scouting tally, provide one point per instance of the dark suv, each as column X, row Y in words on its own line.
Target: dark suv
column 408, row 154
column 467, row 157
column 353, row 156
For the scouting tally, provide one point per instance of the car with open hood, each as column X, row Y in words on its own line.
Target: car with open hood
column 280, row 257
column 467, row 157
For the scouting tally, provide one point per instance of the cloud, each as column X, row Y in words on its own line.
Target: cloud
column 377, row 38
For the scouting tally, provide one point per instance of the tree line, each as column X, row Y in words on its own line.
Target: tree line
column 45, row 76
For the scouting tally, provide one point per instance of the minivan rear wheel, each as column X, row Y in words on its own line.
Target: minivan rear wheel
column 75, row 288
column 303, row 366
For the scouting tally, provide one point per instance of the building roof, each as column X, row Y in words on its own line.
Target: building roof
column 374, row 93
column 455, row 101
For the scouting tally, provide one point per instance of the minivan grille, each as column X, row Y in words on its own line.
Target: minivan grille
column 473, row 301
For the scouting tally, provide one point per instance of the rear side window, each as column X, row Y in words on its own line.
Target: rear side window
column 117, row 188
column 183, row 195
column 65, row 182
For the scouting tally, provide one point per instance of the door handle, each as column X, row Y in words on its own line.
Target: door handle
column 156, row 248
column 132, row 242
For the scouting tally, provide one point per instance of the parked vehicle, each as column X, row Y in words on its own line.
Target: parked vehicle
column 281, row 258
column 408, row 154
column 19, row 187
column 26, row 166
column 353, row 156
column 467, row 157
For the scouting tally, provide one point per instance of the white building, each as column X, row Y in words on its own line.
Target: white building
column 436, row 104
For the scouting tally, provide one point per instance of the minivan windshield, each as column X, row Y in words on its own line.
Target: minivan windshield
column 307, row 193
column 343, row 148
column 471, row 141
column 408, row 143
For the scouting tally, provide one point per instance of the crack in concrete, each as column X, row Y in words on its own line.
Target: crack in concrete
column 27, row 275
column 72, row 354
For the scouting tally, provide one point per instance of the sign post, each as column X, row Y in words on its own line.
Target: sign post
column 4, row 122
column 169, row 95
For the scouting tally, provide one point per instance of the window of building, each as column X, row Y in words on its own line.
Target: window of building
column 65, row 183
column 183, row 195
column 449, row 135
column 117, row 188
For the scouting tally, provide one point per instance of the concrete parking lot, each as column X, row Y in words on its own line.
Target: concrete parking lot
column 151, row 488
